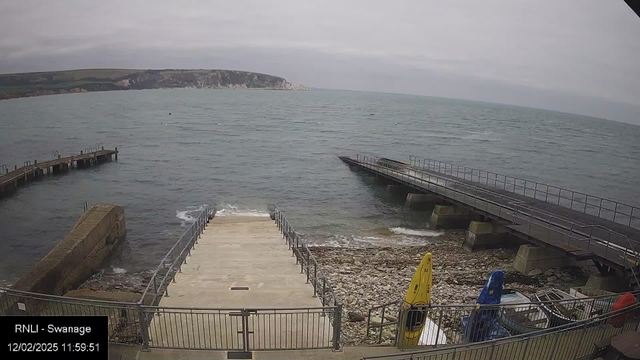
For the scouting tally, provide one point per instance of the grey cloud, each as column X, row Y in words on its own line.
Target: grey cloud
column 565, row 55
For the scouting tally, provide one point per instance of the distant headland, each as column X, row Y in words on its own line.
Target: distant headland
column 85, row 80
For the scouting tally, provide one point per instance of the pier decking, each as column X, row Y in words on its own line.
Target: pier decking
column 586, row 234
column 241, row 289
column 10, row 180
column 238, row 252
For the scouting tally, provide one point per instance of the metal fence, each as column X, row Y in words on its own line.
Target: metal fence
column 571, row 235
column 149, row 325
column 191, row 328
column 566, row 342
column 308, row 264
column 124, row 318
column 458, row 324
column 589, row 204
column 171, row 264
column 242, row 329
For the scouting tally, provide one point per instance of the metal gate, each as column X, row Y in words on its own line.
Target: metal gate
column 242, row 330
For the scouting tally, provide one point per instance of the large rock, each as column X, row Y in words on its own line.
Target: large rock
column 534, row 272
column 355, row 316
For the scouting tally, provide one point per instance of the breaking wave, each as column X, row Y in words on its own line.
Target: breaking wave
column 228, row 209
column 404, row 231
column 188, row 216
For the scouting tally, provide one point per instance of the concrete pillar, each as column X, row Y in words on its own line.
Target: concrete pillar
column 422, row 201
column 484, row 235
column 532, row 257
column 381, row 180
column 397, row 190
column 451, row 217
column 611, row 282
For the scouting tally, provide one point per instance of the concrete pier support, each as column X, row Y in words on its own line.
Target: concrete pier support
column 398, row 190
column 611, row 282
column 484, row 235
column 422, row 201
column 381, row 180
column 532, row 257
column 451, row 217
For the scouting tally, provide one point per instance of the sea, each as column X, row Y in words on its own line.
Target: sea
column 239, row 150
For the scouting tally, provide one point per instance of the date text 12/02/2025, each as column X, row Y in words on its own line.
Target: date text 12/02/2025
column 45, row 336
column 53, row 347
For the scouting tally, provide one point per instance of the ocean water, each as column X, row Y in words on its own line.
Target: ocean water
column 240, row 150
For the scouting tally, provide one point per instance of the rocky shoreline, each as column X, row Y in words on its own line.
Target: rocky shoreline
column 364, row 278
column 367, row 277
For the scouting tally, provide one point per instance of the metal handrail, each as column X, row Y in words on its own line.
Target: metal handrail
column 589, row 302
column 579, row 325
column 172, row 261
column 59, row 298
column 507, row 305
column 304, row 257
column 547, row 223
column 492, row 179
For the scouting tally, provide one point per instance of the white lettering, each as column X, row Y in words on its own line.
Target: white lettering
column 80, row 330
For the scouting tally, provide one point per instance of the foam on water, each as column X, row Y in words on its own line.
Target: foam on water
column 117, row 270
column 229, row 209
column 358, row 241
column 188, row 215
column 404, row 231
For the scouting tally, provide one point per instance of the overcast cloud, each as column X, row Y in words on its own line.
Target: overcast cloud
column 572, row 55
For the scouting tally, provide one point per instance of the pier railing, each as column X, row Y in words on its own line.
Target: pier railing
column 570, row 341
column 575, row 200
column 171, row 264
column 322, row 287
column 309, row 266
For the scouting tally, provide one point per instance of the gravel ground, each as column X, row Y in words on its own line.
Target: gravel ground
column 364, row 278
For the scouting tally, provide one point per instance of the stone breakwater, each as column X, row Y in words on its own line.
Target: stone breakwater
column 364, row 278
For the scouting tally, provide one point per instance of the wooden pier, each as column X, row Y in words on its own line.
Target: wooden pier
column 10, row 180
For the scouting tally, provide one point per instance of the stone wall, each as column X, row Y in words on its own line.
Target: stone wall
column 80, row 254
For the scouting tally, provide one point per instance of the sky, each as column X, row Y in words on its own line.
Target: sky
column 578, row 56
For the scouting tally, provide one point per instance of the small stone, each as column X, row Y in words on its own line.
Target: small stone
column 389, row 318
column 552, row 279
column 534, row 272
column 549, row 272
column 355, row 316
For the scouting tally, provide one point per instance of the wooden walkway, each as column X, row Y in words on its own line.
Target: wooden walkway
column 579, row 234
column 10, row 180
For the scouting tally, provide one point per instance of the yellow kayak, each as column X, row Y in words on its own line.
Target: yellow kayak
column 418, row 297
